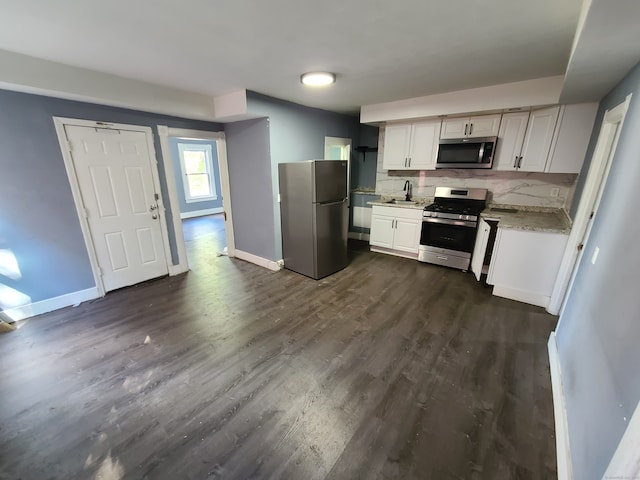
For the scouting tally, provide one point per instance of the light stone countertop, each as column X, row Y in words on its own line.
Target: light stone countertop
column 421, row 202
column 536, row 219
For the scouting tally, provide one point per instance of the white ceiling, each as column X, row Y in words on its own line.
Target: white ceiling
column 380, row 50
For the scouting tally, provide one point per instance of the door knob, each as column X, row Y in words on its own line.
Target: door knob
column 154, row 216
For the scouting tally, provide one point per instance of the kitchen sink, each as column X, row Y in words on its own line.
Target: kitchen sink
column 401, row 202
column 503, row 210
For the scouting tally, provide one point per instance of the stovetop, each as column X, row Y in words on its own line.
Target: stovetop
column 463, row 204
column 462, row 210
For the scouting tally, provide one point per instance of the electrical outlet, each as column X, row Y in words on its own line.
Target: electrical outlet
column 555, row 191
column 278, row 198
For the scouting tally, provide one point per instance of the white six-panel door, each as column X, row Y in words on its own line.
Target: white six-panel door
column 113, row 169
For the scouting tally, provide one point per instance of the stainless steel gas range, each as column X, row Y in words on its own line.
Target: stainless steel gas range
column 449, row 226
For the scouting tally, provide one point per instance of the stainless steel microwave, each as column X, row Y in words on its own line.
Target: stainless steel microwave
column 466, row 152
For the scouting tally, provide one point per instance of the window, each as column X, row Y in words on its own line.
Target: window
column 197, row 172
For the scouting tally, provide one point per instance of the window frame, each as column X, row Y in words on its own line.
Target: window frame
column 195, row 147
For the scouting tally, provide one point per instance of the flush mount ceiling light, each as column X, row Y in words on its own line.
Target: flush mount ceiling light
column 318, row 79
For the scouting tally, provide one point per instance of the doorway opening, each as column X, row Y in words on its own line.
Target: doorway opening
column 589, row 202
column 336, row 148
column 198, row 185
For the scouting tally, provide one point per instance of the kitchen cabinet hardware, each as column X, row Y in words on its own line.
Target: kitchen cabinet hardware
column 537, row 254
column 477, row 126
column 415, row 142
column 395, row 230
column 549, row 140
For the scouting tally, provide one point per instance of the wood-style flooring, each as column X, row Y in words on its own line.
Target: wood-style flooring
column 389, row 369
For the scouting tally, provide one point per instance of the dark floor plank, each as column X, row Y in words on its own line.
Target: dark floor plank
column 388, row 369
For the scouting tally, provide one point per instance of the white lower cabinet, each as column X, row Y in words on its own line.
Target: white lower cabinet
column 395, row 230
column 524, row 264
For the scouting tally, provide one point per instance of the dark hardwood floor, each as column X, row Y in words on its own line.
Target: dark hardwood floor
column 389, row 369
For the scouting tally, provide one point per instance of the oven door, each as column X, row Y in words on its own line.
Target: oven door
column 456, row 235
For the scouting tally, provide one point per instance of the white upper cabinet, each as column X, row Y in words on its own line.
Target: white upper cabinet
column 510, row 139
column 411, row 146
column 397, row 137
column 572, row 139
column 479, row 126
column 537, row 141
column 454, row 127
column 424, row 145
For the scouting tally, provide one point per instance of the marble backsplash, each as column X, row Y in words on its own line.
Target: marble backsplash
column 513, row 188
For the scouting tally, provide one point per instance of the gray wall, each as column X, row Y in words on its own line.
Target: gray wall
column 296, row 134
column 177, row 171
column 599, row 330
column 363, row 168
column 38, row 220
column 251, row 187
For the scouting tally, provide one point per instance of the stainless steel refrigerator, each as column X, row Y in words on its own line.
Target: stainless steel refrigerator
column 314, row 216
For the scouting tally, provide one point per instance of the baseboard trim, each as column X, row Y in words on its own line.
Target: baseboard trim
column 563, row 452
column 260, row 261
column 390, row 251
column 177, row 269
column 201, row 213
column 359, row 236
column 50, row 304
column 521, row 296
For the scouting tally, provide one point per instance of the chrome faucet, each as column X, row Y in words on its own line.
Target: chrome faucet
column 407, row 188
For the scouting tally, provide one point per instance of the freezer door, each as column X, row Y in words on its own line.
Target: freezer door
column 329, row 180
column 331, row 222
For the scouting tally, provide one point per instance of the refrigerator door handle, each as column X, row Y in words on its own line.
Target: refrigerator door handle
column 333, row 203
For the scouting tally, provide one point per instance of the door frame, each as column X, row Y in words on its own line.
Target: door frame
column 603, row 153
column 164, row 133
column 342, row 142
column 60, row 123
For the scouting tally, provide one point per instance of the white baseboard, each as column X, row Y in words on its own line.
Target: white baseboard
column 262, row 262
column 178, row 269
column 397, row 253
column 563, row 453
column 201, row 213
column 521, row 295
column 359, row 236
column 50, row 304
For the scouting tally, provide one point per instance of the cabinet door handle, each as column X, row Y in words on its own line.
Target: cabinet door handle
column 515, row 162
column 520, row 162
column 405, row 162
column 466, row 127
column 470, row 128
column 409, row 161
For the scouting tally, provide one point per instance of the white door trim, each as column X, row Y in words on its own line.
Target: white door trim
column 59, row 123
column 164, row 132
column 596, row 177
column 563, row 452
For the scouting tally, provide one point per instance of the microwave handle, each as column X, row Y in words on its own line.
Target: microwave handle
column 481, row 152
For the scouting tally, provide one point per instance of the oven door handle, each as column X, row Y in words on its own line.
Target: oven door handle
column 446, row 221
